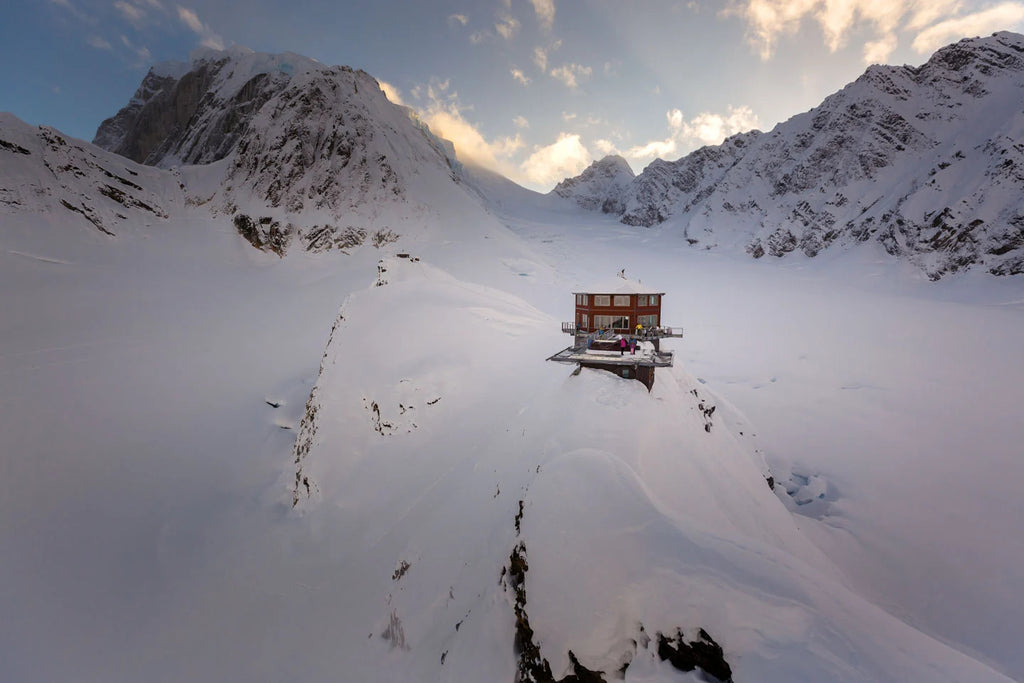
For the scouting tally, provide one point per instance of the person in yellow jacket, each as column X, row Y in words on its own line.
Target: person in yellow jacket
column 639, row 330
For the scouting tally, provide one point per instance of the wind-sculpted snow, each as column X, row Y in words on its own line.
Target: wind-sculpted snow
column 925, row 161
column 626, row 519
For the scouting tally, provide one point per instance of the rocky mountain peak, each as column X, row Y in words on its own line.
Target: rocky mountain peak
column 194, row 113
column 925, row 161
column 599, row 185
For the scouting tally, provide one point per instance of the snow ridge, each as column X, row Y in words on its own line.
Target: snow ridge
column 925, row 161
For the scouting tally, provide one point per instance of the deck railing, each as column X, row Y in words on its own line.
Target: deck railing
column 649, row 333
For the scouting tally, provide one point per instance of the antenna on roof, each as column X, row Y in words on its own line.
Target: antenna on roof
column 622, row 273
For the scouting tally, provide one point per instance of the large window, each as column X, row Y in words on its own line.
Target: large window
column 621, row 299
column 602, row 300
column 581, row 299
column 611, row 322
column 641, row 300
column 648, row 321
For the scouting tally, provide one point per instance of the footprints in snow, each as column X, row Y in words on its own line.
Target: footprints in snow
column 705, row 409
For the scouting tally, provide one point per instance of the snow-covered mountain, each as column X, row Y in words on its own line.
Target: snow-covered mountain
column 925, row 160
column 220, row 464
column 599, row 185
column 46, row 172
column 306, row 151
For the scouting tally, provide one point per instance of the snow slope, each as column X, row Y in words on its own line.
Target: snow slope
column 922, row 160
column 355, row 463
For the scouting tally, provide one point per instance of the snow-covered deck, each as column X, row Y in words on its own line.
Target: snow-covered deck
column 644, row 357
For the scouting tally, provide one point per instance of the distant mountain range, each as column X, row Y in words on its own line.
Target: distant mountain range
column 927, row 161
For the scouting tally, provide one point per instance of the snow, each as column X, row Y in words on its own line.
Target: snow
column 618, row 285
column 152, row 524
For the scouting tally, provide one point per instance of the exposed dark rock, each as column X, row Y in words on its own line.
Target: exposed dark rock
column 703, row 653
column 89, row 216
column 266, row 234
column 11, row 147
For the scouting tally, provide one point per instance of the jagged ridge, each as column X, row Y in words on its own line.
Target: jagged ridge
column 923, row 160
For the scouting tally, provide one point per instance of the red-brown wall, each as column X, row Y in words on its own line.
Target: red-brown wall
column 632, row 311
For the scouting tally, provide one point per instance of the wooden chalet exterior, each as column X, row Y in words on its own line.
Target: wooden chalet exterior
column 618, row 307
column 610, row 312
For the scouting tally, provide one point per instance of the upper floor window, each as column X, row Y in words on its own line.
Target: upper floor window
column 653, row 300
column 621, row 299
column 581, row 299
column 641, row 300
column 602, row 300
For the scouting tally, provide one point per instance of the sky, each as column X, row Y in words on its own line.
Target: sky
column 534, row 89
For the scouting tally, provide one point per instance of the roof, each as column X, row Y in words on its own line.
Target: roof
column 619, row 285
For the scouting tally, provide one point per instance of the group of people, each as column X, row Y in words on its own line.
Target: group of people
column 625, row 341
column 633, row 342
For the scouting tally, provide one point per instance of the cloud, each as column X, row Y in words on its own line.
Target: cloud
column 880, row 20
column 521, row 122
column 563, row 158
column 206, row 35
column 391, row 92
column 706, row 128
column 444, row 115
column 545, row 10
column 99, row 43
column 75, row 12
column 1006, row 15
column 142, row 54
column 540, row 58
column 606, row 147
column 570, row 74
column 507, row 27
column 878, row 51
column 520, row 76
column 540, row 55
column 132, row 14
column 478, row 37
column 458, row 19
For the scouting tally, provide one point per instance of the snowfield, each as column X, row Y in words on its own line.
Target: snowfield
column 349, row 459
column 147, row 523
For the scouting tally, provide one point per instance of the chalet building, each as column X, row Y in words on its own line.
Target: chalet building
column 609, row 313
column 619, row 306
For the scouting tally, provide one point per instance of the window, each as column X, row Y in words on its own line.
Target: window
column 653, row 300
column 611, row 322
column 585, row 321
column 581, row 299
column 641, row 300
column 648, row 321
column 601, row 300
column 625, row 372
column 621, row 299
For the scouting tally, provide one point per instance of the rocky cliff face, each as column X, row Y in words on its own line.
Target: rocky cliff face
column 194, row 113
column 926, row 161
column 296, row 137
